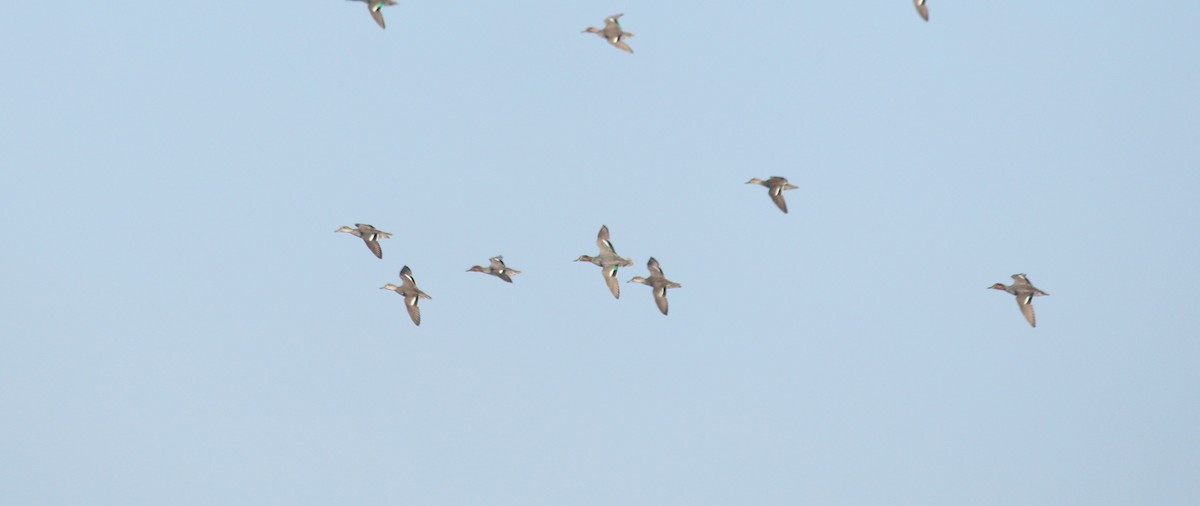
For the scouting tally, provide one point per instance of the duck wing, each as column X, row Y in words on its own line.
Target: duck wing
column 1025, row 302
column 414, row 312
column 610, row 279
column 377, row 13
column 655, row 269
column 776, row 193
column 922, row 9
column 660, row 298
column 373, row 245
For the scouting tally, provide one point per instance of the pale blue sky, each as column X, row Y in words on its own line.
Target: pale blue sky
column 182, row 326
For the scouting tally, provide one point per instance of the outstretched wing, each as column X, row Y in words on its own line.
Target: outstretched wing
column 610, row 279
column 655, row 270
column 777, row 197
column 373, row 245
column 922, row 9
column 376, row 12
column 660, row 298
column 1025, row 302
column 406, row 275
column 414, row 312
column 602, row 241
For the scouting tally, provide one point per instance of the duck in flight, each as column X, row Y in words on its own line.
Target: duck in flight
column 612, row 33
column 1025, row 292
column 369, row 235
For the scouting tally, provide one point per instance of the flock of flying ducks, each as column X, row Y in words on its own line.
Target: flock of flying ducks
column 611, row 32
column 610, row 263
column 607, row 259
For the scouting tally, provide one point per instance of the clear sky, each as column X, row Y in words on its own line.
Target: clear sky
column 180, row 324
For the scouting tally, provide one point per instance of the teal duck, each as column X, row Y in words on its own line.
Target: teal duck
column 496, row 268
column 608, row 260
column 659, row 282
column 612, row 33
column 775, row 187
column 369, row 235
column 1025, row 292
column 408, row 288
